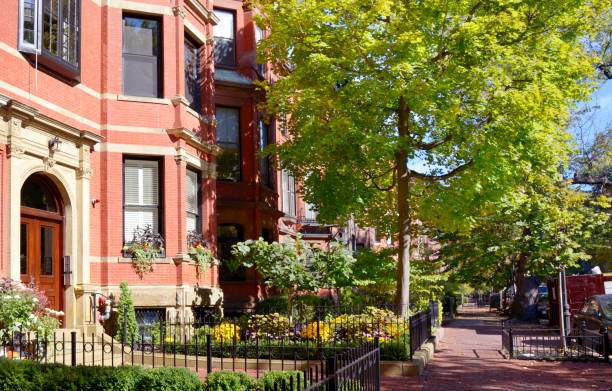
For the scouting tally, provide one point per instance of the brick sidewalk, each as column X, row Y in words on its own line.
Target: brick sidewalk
column 469, row 358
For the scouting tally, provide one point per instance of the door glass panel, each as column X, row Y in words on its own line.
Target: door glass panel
column 23, row 257
column 46, row 251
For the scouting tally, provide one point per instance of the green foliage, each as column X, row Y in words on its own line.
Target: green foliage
column 126, row 302
column 146, row 245
column 470, row 96
column 24, row 309
column 296, row 266
column 269, row 378
column 229, row 381
column 200, row 253
column 171, row 379
column 26, row 375
column 544, row 226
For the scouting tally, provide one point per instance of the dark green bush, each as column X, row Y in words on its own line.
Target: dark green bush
column 229, row 381
column 170, row 379
column 272, row 304
column 22, row 375
column 269, row 378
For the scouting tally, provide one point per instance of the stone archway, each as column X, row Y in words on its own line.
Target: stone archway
column 42, row 238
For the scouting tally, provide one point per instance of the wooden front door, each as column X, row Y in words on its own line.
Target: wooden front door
column 41, row 261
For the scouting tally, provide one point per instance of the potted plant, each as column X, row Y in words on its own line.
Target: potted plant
column 199, row 252
column 146, row 245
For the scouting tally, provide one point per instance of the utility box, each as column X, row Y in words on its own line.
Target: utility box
column 578, row 288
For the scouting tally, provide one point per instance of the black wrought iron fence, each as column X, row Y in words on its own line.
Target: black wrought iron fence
column 357, row 369
column 549, row 344
column 334, row 368
column 434, row 313
column 420, row 330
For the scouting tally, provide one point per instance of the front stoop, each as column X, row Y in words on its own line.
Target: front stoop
column 420, row 358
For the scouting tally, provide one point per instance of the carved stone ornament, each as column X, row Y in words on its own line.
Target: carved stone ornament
column 84, row 173
column 49, row 163
column 179, row 11
column 15, row 151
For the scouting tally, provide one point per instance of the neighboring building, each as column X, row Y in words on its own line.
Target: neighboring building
column 107, row 123
column 116, row 114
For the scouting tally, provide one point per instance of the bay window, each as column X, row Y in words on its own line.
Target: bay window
column 228, row 138
column 52, row 29
column 288, row 194
column 192, row 74
column 225, row 38
column 193, row 201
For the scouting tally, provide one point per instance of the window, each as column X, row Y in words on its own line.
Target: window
column 51, row 28
column 193, row 201
column 259, row 35
column 141, row 57
column 228, row 138
column 225, row 42
column 228, row 235
column 309, row 211
column 264, row 162
column 192, row 75
column 141, row 205
column 288, row 194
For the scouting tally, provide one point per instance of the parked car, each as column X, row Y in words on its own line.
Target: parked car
column 595, row 315
column 542, row 301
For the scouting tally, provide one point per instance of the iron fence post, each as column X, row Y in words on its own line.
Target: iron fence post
column 73, row 338
column 606, row 345
column 510, row 343
column 377, row 365
column 209, row 354
column 95, row 309
column 332, row 383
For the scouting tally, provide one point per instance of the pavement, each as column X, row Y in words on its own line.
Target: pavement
column 469, row 358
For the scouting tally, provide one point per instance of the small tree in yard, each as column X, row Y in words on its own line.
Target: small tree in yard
column 296, row 266
column 126, row 302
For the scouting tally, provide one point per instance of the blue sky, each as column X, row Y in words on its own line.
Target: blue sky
column 603, row 98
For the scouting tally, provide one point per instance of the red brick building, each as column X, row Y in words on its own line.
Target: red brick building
column 116, row 114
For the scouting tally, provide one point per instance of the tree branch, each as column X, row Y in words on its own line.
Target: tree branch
column 432, row 178
column 432, row 145
column 373, row 180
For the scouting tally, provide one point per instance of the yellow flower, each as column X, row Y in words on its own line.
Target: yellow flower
column 322, row 332
column 225, row 332
column 191, row 248
column 200, row 246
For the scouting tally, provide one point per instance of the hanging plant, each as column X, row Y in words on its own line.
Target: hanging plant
column 146, row 245
column 200, row 253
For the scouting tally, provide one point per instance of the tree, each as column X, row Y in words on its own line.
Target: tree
column 125, row 301
column 295, row 266
column 430, row 110
column 545, row 226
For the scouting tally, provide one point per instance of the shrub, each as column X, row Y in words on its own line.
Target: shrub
column 274, row 326
column 373, row 322
column 226, row 332
column 269, row 378
column 170, row 379
column 272, row 304
column 229, row 381
column 24, row 375
column 24, row 309
column 126, row 301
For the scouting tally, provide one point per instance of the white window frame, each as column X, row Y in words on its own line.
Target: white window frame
column 196, row 214
column 135, row 162
column 23, row 45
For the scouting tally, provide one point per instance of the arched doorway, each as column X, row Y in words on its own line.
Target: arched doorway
column 41, row 242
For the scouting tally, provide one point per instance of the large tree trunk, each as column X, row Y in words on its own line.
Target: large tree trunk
column 525, row 299
column 402, row 294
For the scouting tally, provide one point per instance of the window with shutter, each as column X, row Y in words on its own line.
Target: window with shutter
column 193, row 201
column 141, row 57
column 228, row 138
column 140, row 196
